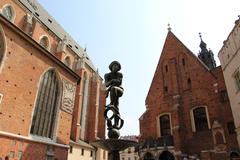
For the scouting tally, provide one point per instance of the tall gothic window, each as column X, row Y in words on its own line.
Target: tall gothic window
column 165, row 128
column 2, row 44
column 46, row 107
column 44, row 42
column 8, row 12
column 200, row 119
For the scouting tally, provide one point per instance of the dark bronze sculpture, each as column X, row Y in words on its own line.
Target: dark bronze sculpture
column 113, row 82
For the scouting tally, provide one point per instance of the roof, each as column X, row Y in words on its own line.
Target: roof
column 42, row 15
column 82, row 144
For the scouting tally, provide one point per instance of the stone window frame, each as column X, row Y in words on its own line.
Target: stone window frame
column 192, row 117
column 67, row 61
column 48, row 47
column 55, row 128
column 236, row 79
column 2, row 34
column 159, row 124
column 12, row 10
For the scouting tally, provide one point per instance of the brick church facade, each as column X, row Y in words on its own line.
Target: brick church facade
column 51, row 95
column 188, row 115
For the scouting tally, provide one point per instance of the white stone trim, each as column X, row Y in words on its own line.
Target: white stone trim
column 37, row 140
column 192, row 117
column 159, row 125
column 1, row 97
column 97, row 108
column 5, row 47
column 48, row 41
column 85, row 105
column 13, row 12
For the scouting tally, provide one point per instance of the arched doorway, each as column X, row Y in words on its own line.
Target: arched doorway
column 148, row 156
column 166, row 155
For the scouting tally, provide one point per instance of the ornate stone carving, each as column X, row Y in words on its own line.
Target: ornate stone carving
column 68, row 96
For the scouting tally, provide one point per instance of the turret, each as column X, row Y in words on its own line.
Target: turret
column 205, row 55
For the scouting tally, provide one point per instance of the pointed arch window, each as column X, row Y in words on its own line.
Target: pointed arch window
column 8, row 12
column 2, row 44
column 165, row 125
column 45, row 113
column 44, row 41
column 200, row 119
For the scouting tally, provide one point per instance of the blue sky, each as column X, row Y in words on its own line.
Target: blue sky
column 133, row 32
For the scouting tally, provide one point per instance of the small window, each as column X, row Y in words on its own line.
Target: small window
column 11, row 154
column 165, row 128
column 91, row 154
column 8, row 12
column 166, row 68
column 44, row 42
column 200, row 119
column 224, row 96
column 19, row 156
column 237, row 79
column 189, row 81
column 165, row 89
column 183, row 62
column 82, row 153
column 129, row 158
column 231, row 127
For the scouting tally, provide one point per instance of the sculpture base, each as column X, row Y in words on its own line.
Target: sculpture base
column 113, row 155
column 113, row 146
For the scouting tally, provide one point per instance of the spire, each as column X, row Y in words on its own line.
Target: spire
column 205, row 55
column 202, row 45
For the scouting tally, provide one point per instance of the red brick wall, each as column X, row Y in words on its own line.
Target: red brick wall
column 101, row 120
column 30, row 150
column 91, row 111
column 22, row 67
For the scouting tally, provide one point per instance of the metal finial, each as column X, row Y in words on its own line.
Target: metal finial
column 169, row 27
column 200, row 35
column 85, row 48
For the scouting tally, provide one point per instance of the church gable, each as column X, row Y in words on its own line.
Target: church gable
column 177, row 71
